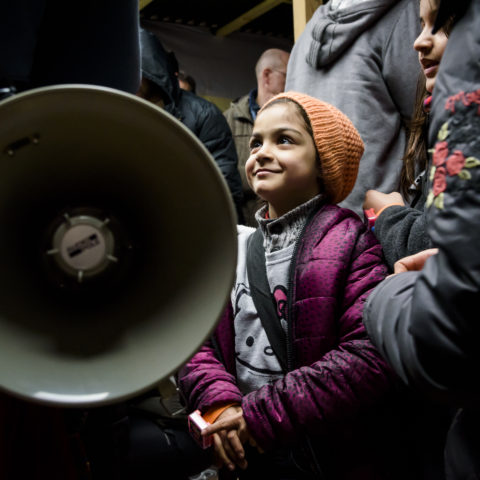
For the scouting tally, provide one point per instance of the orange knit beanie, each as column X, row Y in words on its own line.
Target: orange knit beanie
column 338, row 143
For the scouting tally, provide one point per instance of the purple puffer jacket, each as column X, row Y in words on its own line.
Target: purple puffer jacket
column 336, row 373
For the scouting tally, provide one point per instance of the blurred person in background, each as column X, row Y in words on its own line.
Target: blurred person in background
column 270, row 71
column 160, row 86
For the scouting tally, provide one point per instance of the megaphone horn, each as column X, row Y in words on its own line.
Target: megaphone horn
column 117, row 245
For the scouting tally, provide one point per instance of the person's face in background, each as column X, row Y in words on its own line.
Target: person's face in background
column 278, row 76
column 430, row 47
column 184, row 85
column 149, row 91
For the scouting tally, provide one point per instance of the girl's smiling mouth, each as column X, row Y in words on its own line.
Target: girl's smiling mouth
column 263, row 171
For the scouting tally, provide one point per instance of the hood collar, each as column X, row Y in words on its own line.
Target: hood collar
column 160, row 67
column 337, row 26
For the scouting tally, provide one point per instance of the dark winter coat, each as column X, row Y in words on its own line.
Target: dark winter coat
column 337, row 380
column 426, row 323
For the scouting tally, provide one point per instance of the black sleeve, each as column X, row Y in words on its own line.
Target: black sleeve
column 402, row 231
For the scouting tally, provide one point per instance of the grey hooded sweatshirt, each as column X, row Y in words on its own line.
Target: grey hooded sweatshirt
column 358, row 55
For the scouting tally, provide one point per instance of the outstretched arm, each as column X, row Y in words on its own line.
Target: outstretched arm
column 401, row 230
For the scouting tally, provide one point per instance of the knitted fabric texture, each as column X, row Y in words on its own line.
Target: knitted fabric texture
column 338, row 143
column 279, row 233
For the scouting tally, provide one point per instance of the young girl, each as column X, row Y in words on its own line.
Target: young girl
column 402, row 230
column 301, row 402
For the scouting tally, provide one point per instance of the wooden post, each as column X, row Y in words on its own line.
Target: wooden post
column 143, row 3
column 302, row 13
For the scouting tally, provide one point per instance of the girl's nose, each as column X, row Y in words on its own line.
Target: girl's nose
column 264, row 153
column 424, row 41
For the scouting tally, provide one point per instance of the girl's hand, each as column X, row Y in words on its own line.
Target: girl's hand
column 224, row 455
column 414, row 262
column 229, row 434
column 377, row 200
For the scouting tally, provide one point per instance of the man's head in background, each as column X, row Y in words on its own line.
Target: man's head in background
column 271, row 72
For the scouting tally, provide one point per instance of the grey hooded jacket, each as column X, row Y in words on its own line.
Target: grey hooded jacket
column 360, row 58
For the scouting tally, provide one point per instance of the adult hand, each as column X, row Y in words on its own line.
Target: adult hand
column 229, row 432
column 414, row 262
column 377, row 200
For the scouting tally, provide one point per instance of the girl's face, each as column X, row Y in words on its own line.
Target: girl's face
column 282, row 167
column 430, row 47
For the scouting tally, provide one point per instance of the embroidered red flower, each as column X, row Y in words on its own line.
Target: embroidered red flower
column 455, row 163
column 439, row 181
column 440, row 153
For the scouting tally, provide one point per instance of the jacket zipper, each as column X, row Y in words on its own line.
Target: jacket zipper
column 291, row 276
column 290, row 359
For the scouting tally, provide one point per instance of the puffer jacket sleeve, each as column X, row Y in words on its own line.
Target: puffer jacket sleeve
column 426, row 323
column 204, row 381
column 349, row 379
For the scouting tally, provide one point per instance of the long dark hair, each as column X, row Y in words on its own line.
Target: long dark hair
column 415, row 158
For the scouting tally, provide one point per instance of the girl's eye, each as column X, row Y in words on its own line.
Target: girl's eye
column 283, row 140
column 255, row 144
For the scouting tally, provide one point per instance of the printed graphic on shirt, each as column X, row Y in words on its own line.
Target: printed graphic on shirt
column 280, row 295
column 257, row 364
